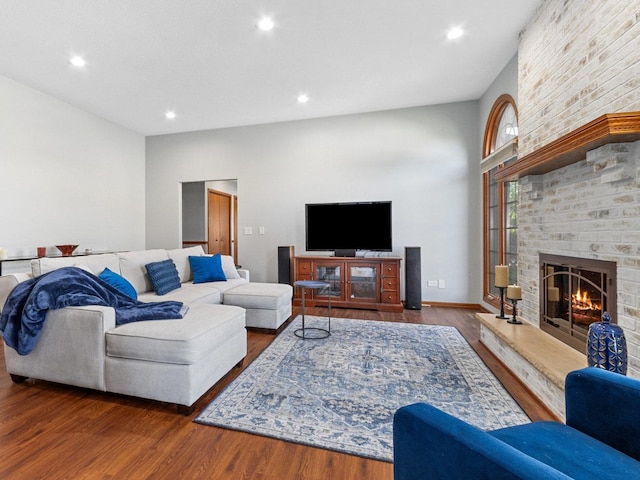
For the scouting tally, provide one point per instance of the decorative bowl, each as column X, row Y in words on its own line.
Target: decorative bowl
column 66, row 250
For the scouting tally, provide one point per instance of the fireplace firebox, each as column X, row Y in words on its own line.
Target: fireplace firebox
column 574, row 293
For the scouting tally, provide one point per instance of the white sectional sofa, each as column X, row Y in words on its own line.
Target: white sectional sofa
column 174, row 361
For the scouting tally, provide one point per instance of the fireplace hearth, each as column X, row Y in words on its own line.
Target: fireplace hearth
column 575, row 292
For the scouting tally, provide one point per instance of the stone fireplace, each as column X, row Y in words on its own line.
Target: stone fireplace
column 580, row 197
column 575, row 293
column 577, row 169
column 578, row 253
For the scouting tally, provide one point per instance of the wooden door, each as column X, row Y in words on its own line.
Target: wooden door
column 219, row 222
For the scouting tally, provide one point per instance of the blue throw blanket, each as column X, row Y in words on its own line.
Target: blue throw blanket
column 26, row 307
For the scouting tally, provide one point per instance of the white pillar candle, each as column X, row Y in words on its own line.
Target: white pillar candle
column 3, row 254
column 514, row 292
column 502, row 276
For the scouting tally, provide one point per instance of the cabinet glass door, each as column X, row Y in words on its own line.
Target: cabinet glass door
column 330, row 274
column 363, row 283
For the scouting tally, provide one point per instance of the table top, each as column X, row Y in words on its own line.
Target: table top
column 311, row 284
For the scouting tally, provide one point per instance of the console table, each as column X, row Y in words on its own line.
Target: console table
column 33, row 257
column 15, row 259
column 371, row 283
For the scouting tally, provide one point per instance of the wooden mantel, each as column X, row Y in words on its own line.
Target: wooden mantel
column 573, row 147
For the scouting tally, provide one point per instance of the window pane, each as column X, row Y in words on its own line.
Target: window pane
column 493, row 240
column 493, row 218
column 507, row 127
column 511, row 219
column 512, row 261
column 511, row 241
column 493, row 192
column 512, row 191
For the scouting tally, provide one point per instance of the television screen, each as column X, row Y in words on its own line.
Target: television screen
column 348, row 226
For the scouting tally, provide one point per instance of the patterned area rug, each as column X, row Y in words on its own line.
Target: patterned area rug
column 340, row 393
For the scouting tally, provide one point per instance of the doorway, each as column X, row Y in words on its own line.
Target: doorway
column 210, row 216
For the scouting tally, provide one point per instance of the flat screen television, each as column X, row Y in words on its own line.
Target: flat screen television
column 347, row 227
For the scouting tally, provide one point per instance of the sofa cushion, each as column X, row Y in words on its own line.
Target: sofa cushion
column 569, row 451
column 163, row 276
column 268, row 296
column 118, row 282
column 227, row 284
column 182, row 341
column 188, row 294
column 207, row 269
column 229, row 267
column 180, row 257
column 132, row 267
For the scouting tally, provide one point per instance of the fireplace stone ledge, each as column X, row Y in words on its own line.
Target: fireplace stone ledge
column 539, row 360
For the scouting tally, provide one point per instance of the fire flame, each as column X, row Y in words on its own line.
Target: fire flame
column 582, row 301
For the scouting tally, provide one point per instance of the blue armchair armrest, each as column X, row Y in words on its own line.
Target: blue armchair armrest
column 429, row 443
column 606, row 406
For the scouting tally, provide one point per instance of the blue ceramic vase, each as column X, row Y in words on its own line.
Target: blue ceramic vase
column 606, row 346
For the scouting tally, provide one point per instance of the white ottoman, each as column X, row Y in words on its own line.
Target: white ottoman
column 268, row 305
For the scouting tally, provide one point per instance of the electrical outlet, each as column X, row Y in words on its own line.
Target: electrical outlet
column 440, row 283
column 433, row 283
column 248, row 231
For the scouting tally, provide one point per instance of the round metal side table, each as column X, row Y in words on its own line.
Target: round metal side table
column 315, row 333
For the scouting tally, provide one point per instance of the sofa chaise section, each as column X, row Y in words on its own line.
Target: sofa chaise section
column 175, row 361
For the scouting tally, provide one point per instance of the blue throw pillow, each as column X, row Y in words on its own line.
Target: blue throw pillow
column 164, row 276
column 119, row 283
column 207, row 269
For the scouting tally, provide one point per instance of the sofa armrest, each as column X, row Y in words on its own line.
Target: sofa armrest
column 71, row 348
column 8, row 283
column 429, row 443
column 604, row 405
column 244, row 274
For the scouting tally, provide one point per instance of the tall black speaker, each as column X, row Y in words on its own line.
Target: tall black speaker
column 285, row 264
column 412, row 278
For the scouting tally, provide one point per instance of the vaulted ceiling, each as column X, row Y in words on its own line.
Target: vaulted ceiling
column 207, row 61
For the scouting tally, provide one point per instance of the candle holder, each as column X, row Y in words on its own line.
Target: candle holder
column 502, row 315
column 514, row 320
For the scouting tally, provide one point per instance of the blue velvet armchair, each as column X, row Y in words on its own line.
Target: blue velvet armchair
column 601, row 438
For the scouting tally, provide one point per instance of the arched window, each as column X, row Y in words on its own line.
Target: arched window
column 500, row 199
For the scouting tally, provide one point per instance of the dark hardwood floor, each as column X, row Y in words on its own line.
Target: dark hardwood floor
column 58, row 432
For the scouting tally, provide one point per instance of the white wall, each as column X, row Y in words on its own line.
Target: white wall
column 194, row 216
column 425, row 160
column 66, row 176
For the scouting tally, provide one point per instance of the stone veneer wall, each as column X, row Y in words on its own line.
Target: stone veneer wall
column 577, row 60
column 590, row 209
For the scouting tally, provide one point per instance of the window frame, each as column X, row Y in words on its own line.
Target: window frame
column 488, row 147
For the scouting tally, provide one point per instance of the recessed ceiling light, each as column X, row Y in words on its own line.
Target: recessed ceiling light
column 302, row 98
column 266, row 24
column 455, row 32
column 170, row 115
column 77, row 61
